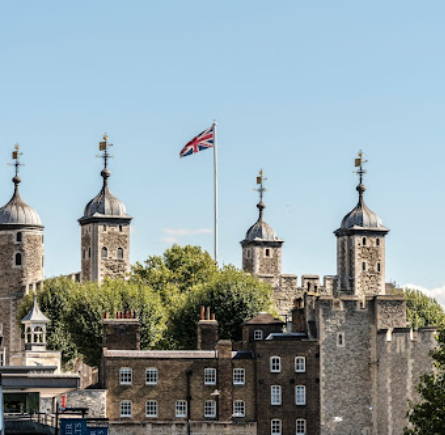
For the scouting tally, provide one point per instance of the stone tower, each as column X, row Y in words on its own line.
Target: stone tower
column 361, row 248
column 21, row 262
column 105, row 232
column 261, row 246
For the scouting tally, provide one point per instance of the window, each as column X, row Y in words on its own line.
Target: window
column 341, row 339
column 248, row 253
column 104, row 252
column 151, row 376
column 151, row 408
column 363, row 266
column 120, row 228
column 301, row 427
column 267, row 252
column 275, row 395
column 239, row 376
column 181, row 408
column 120, row 253
column 125, row 408
column 275, row 426
column 275, row 364
column 364, row 241
column 38, row 334
column 104, row 228
column 2, row 358
column 379, row 267
column 258, row 334
column 300, row 364
column 209, row 376
column 28, row 335
column 377, row 242
column 18, row 237
column 18, row 259
column 300, row 395
column 239, row 408
column 210, row 409
column 84, row 254
column 89, row 252
column 125, row 376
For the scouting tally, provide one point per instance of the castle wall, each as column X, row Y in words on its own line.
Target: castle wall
column 402, row 358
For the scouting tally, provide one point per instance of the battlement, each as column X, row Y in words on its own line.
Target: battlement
column 420, row 336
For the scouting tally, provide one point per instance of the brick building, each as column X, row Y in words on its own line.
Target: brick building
column 266, row 384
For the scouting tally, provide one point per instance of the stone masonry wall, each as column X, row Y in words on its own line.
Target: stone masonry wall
column 402, row 358
column 346, row 386
column 86, row 252
column 112, row 266
column 95, row 400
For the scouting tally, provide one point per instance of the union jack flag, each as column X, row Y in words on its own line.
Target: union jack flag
column 201, row 142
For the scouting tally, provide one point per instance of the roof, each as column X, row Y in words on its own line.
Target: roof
column 362, row 217
column 174, row 354
column 281, row 336
column 35, row 314
column 17, row 212
column 264, row 319
column 261, row 231
column 105, row 205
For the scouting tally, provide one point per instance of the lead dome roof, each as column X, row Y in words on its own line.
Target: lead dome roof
column 261, row 231
column 17, row 213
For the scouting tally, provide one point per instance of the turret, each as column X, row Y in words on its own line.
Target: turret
column 21, row 260
column 261, row 246
column 105, row 232
column 361, row 247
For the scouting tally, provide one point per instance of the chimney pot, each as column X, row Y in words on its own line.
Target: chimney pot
column 213, row 316
column 201, row 312
column 208, row 313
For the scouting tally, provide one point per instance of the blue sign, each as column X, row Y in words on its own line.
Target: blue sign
column 73, row 426
column 97, row 431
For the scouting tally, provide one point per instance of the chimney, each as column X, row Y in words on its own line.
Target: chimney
column 207, row 329
column 121, row 333
column 298, row 316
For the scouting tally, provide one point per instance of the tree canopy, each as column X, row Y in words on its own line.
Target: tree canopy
column 422, row 310
column 427, row 417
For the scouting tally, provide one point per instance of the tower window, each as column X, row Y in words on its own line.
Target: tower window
column 104, row 228
column 267, row 252
column 377, row 242
column 364, row 266
column 364, row 241
column 18, row 259
column 18, row 237
column 379, row 267
column 120, row 228
column 89, row 252
column 84, row 254
column 120, row 253
column 340, row 339
column 248, row 253
column 104, row 252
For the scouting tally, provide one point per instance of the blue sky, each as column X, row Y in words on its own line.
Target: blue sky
column 296, row 87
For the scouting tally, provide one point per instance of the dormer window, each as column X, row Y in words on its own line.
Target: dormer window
column 18, row 237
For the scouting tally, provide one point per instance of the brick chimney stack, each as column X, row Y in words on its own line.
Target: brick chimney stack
column 207, row 329
column 121, row 333
column 298, row 317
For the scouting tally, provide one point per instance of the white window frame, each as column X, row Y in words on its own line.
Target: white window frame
column 210, row 409
column 150, row 373
column 181, row 408
column 239, row 408
column 275, row 364
column 151, row 405
column 275, row 395
column 209, row 376
column 276, row 426
column 125, row 376
column 125, row 405
column 239, row 376
column 301, row 426
column 258, row 334
column 300, row 364
column 300, row 395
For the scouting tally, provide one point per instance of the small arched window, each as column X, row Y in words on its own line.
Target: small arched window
column 364, row 266
column 120, row 253
column 104, row 252
column 18, row 237
column 379, row 269
column 28, row 335
column 340, row 339
column 364, row 241
column 18, row 259
column 38, row 334
column 267, row 252
column 84, row 254
column 89, row 252
column 120, row 228
column 377, row 242
column 104, row 228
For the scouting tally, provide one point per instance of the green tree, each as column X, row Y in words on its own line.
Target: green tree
column 91, row 301
column 421, row 310
column 427, row 417
column 233, row 296
column 54, row 301
column 176, row 271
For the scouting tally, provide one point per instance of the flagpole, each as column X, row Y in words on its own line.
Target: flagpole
column 215, row 168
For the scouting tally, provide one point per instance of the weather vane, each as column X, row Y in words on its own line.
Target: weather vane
column 259, row 181
column 359, row 164
column 104, row 146
column 16, row 156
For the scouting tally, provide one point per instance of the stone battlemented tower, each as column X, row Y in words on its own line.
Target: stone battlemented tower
column 21, row 261
column 261, row 246
column 361, row 248
column 105, row 226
